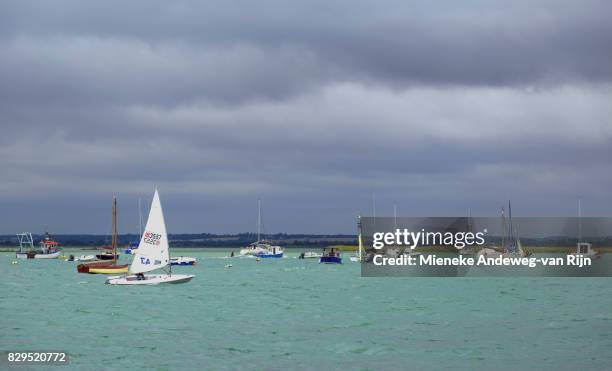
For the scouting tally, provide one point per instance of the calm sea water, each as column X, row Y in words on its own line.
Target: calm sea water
column 296, row 314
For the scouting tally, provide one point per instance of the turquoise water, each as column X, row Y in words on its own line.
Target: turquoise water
column 296, row 314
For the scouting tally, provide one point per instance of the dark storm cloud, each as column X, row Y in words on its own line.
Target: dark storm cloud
column 312, row 105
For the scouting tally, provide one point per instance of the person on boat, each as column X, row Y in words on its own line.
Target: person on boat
column 140, row 276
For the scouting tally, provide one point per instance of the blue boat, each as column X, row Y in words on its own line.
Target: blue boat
column 331, row 255
column 131, row 248
column 265, row 250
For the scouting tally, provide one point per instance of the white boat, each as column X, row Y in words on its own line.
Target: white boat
column 261, row 248
column 310, row 255
column 183, row 260
column 584, row 248
column 48, row 248
column 153, row 253
column 85, row 258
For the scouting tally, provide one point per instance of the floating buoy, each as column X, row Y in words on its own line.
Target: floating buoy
column 258, row 259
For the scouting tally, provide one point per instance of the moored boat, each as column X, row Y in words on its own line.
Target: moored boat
column 49, row 249
column 310, row 255
column 261, row 248
column 331, row 255
column 105, row 266
column 183, row 260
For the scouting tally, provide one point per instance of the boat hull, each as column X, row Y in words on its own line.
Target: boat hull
column 266, row 255
column 54, row 255
column 86, row 267
column 107, row 256
column 152, row 279
column 330, row 260
column 111, row 269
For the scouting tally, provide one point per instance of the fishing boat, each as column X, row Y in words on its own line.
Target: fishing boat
column 48, row 247
column 152, row 254
column 183, row 260
column 261, row 248
column 107, row 267
column 331, row 255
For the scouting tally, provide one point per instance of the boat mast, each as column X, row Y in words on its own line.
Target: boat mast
column 510, row 233
column 139, row 220
column 359, row 236
column 258, row 219
column 114, row 237
column 395, row 216
column 579, row 221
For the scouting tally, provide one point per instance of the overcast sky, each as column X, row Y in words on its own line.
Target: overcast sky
column 311, row 105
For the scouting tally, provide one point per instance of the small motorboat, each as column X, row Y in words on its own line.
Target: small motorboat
column 586, row 249
column 331, row 255
column 310, row 255
column 183, row 260
column 83, row 258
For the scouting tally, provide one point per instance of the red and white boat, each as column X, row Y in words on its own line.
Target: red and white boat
column 49, row 249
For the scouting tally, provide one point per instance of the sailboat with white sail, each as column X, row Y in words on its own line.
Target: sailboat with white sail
column 261, row 248
column 152, row 254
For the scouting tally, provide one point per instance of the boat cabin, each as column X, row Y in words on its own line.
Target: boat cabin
column 331, row 255
column 584, row 248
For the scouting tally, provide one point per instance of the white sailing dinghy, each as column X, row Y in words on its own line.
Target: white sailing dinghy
column 152, row 254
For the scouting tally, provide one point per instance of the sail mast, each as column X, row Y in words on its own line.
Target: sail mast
column 139, row 220
column 579, row 221
column 114, row 237
column 258, row 219
column 359, row 236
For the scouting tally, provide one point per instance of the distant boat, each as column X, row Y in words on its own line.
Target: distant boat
column 359, row 257
column 48, row 248
column 310, row 255
column 511, row 243
column 584, row 248
column 183, row 260
column 82, row 258
column 331, row 255
column 107, row 267
column 153, row 253
column 261, row 248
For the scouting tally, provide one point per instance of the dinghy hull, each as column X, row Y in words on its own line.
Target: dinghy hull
column 149, row 279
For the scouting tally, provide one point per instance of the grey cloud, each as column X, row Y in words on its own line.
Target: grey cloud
column 313, row 105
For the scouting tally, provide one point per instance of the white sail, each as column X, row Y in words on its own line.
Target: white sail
column 152, row 250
